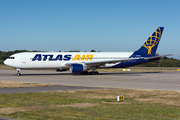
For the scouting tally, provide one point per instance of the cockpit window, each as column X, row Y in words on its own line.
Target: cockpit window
column 11, row 58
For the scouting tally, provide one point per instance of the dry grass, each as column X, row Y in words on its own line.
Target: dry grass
column 110, row 93
column 4, row 67
column 92, row 104
column 117, row 103
column 165, row 98
column 12, row 84
column 151, row 96
column 10, row 110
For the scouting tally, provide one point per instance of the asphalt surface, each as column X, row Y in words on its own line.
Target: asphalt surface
column 3, row 118
column 67, row 81
column 42, row 89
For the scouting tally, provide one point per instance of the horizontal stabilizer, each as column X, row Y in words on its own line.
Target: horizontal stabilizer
column 150, row 58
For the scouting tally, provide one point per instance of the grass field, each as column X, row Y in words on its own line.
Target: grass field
column 12, row 84
column 92, row 104
column 4, row 67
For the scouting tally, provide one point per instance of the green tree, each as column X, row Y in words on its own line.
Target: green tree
column 93, row 50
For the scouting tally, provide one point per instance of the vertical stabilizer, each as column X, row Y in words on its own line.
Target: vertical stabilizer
column 151, row 44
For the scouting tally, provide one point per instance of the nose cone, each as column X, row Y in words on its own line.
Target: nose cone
column 5, row 62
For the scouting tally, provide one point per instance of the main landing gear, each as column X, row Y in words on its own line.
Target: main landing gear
column 18, row 72
column 94, row 73
column 90, row 73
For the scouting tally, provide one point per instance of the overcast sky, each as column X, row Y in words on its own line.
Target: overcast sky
column 105, row 25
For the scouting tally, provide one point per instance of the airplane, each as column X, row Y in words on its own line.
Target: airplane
column 81, row 62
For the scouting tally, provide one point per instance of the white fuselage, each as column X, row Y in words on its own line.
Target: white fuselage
column 57, row 60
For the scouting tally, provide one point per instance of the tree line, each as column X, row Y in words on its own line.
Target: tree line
column 164, row 62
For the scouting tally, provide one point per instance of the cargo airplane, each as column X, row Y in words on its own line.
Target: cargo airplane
column 81, row 62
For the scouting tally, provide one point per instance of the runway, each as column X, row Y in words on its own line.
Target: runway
column 138, row 80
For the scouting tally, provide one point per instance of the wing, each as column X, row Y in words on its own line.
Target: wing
column 101, row 63
column 97, row 64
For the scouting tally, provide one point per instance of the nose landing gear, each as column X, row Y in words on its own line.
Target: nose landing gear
column 18, row 72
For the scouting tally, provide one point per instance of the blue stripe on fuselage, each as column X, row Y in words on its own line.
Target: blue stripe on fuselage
column 130, row 63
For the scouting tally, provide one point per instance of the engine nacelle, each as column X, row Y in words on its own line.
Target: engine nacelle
column 77, row 68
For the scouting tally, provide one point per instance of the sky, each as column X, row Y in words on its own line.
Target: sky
column 102, row 25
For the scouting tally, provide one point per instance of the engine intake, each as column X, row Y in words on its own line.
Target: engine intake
column 77, row 68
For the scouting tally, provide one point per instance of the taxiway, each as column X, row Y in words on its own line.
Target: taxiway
column 138, row 80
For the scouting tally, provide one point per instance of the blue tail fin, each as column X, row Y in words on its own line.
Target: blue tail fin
column 151, row 44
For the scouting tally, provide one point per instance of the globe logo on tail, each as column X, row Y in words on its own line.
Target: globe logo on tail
column 153, row 40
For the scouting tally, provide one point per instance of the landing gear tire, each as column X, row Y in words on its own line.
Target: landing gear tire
column 94, row 73
column 91, row 73
column 18, row 74
column 84, row 73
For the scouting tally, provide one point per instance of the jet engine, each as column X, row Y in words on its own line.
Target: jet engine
column 77, row 68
